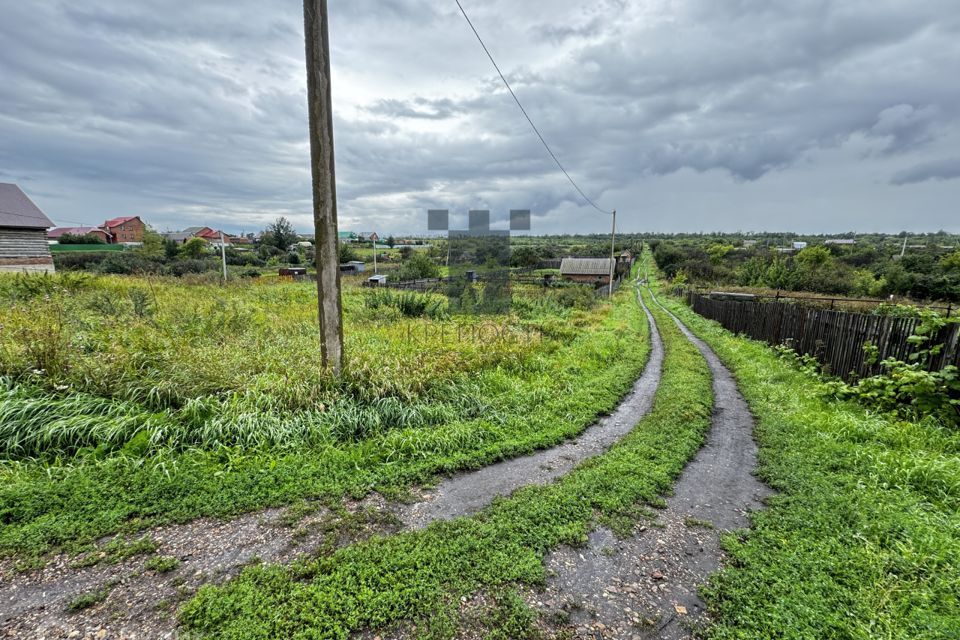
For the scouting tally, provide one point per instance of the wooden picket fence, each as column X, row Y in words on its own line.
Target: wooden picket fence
column 834, row 338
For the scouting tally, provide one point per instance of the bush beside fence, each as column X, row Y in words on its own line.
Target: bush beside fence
column 834, row 338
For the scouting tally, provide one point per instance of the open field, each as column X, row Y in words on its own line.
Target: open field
column 209, row 401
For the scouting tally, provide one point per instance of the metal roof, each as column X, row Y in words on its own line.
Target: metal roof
column 17, row 210
column 109, row 224
column 585, row 267
column 76, row 231
column 179, row 236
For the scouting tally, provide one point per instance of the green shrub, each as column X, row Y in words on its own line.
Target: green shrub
column 409, row 303
column 418, row 267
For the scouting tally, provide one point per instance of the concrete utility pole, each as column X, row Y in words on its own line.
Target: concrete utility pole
column 319, row 104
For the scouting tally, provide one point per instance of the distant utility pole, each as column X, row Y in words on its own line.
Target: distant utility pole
column 320, row 107
column 223, row 256
column 613, row 263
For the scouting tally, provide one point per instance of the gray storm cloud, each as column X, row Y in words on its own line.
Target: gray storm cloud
column 685, row 115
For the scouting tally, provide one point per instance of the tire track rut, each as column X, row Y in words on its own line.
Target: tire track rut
column 646, row 586
column 470, row 492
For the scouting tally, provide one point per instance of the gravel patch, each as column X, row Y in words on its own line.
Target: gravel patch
column 137, row 602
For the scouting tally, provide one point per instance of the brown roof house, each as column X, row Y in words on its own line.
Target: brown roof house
column 23, row 233
column 593, row 271
column 125, row 230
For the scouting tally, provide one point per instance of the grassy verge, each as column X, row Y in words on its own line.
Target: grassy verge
column 863, row 538
column 421, row 576
column 504, row 408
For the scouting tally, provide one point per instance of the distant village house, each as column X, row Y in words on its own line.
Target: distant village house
column 23, row 233
column 96, row 232
column 204, row 233
column 126, row 230
column 595, row 271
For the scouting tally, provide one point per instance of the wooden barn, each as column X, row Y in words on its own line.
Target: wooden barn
column 595, row 271
column 23, row 233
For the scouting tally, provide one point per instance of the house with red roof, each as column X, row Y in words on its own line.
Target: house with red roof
column 125, row 230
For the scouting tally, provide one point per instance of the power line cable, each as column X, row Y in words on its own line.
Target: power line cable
column 525, row 114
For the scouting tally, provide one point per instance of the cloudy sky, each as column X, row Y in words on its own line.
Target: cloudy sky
column 685, row 115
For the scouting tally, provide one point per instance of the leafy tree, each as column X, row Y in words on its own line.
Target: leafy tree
column 950, row 263
column 866, row 284
column 777, row 276
column 346, row 253
column 524, row 257
column 152, row 243
column 419, row 266
column 718, row 252
column 194, row 248
column 170, row 249
column 752, row 273
column 267, row 251
column 279, row 234
column 391, row 241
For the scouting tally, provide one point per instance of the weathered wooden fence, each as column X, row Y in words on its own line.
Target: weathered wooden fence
column 834, row 338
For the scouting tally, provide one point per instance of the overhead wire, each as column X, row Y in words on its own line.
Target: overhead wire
column 527, row 116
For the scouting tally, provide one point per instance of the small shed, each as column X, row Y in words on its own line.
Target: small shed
column 587, row 270
column 353, row 267
column 23, row 233
column 377, row 281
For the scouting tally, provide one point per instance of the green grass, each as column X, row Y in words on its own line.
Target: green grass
column 421, row 576
column 89, row 599
column 862, row 539
column 162, row 564
column 118, row 550
column 84, row 464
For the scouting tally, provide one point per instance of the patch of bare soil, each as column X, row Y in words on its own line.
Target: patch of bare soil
column 137, row 598
column 645, row 586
